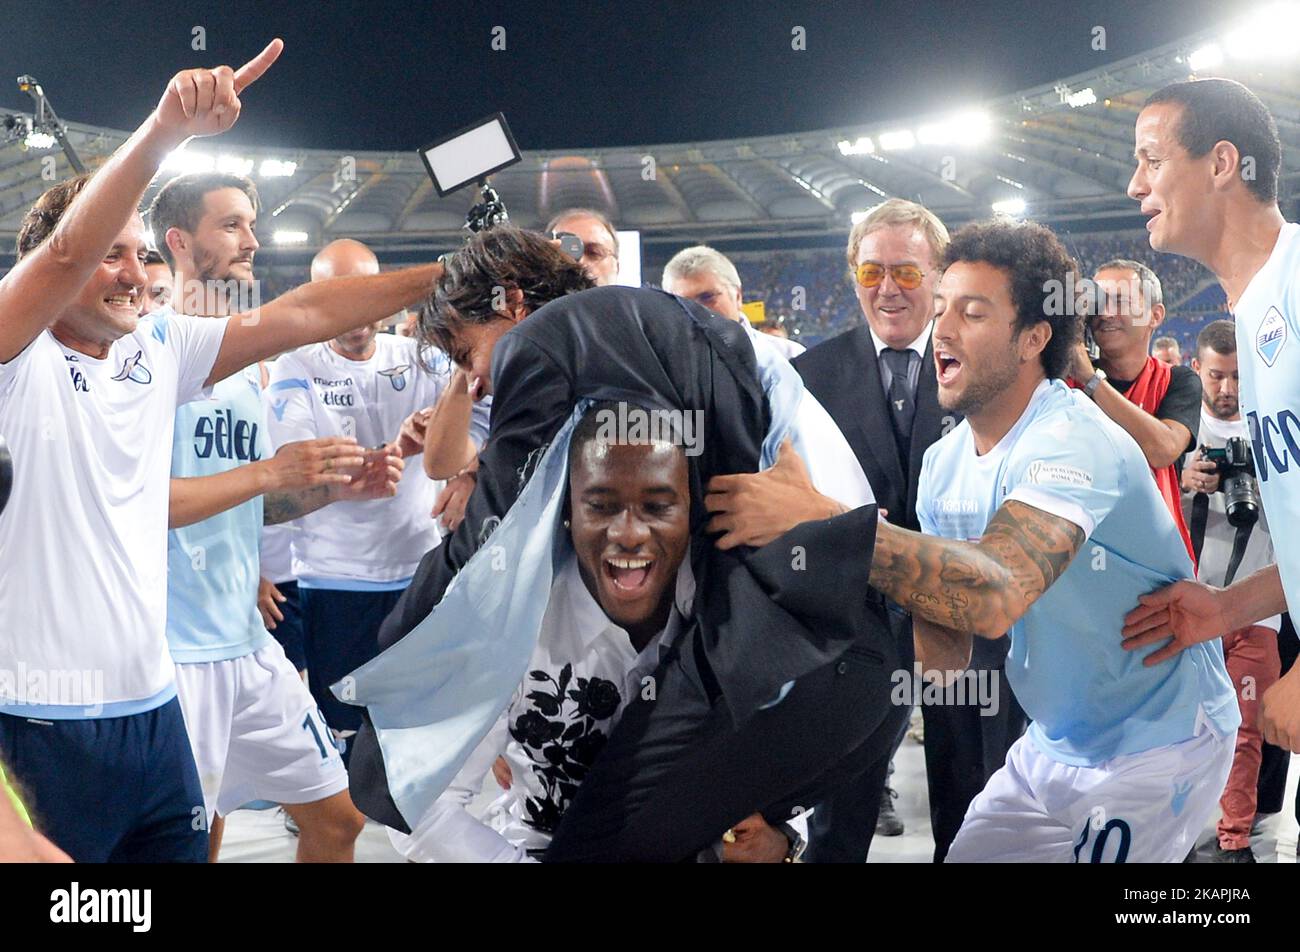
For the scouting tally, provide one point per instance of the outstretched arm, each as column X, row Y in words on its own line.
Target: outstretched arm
column 983, row 587
column 1188, row 612
column 197, row 102
column 320, row 310
column 296, row 466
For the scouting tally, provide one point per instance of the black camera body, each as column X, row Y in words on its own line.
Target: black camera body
column 488, row 213
column 1236, row 469
column 6, row 473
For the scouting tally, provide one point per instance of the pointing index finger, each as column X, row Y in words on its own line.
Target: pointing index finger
column 251, row 71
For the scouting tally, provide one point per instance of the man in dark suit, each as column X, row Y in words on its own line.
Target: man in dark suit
column 878, row 383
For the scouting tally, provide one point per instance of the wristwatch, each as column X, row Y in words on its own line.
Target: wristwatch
column 797, row 844
column 1090, row 388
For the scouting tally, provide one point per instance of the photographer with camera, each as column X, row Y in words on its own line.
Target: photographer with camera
column 1229, row 534
column 1155, row 403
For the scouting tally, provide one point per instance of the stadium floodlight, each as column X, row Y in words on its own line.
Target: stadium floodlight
column 470, row 154
column 862, row 146
column 284, row 236
column 1271, row 32
column 967, row 128
column 276, row 168
column 39, row 140
column 858, row 216
column 182, row 161
column 1209, row 56
column 1014, row 207
column 1084, row 97
column 234, row 165
column 897, row 141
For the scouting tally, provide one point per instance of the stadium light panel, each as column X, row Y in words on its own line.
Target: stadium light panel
column 897, row 141
column 285, row 237
column 234, row 165
column 1015, row 207
column 39, row 140
column 967, row 128
column 182, row 161
column 1084, row 97
column 1209, row 56
column 862, row 146
column 1271, row 32
column 275, row 168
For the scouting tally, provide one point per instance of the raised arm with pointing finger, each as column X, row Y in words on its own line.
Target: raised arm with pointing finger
column 197, row 102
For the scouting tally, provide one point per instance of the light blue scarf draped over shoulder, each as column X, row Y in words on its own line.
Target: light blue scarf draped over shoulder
column 434, row 695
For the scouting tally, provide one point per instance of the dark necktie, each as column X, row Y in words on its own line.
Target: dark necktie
column 902, row 405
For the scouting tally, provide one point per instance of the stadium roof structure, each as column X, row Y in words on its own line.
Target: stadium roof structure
column 1064, row 149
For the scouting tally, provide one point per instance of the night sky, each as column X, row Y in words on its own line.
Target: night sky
column 388, row 75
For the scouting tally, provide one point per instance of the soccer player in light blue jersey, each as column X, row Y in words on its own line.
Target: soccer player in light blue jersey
column 1208, row 165
column 1043, row 521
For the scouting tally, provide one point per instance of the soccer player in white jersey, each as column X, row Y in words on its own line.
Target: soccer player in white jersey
column 1042, row 520
column 252, row 723
column 354, row 560
column 88, row 397
column 1208, row 166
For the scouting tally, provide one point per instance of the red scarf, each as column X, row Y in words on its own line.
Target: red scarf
column 1147, row 391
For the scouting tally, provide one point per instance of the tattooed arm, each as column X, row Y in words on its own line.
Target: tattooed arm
column 940, row 649
column 289, row 505
column 983, row 587
column 376, row 479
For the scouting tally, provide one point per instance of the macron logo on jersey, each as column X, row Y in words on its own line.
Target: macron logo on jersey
column 1271, row 336
column 396, row 376
column 134, row 370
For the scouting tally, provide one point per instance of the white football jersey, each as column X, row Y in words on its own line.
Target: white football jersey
column 1268, row 347
column 83, row 542
column 315, row 392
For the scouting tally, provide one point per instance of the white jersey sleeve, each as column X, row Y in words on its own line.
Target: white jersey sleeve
column 1055, row 468
column 195, row 342
column 290, row 410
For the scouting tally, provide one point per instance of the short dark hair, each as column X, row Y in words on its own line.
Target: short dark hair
column 42, row 218
column 179, row 203
column 1222, row 110
column 502, row 257
column 1218, row 336
column 1039, row 269
column 153, row 257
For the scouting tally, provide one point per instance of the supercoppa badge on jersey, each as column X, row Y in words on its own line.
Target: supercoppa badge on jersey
column 1271, row 336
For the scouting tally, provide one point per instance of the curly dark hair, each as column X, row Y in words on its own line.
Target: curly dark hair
column 1042, row 276
column 473, row 278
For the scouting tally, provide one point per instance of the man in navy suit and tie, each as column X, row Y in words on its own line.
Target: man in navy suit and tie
column 878, row 383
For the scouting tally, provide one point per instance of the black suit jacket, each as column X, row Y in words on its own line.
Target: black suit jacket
column 761, row 625
column 843, row 373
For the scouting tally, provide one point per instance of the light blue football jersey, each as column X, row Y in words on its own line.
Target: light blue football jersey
column 213, row 566
column 1268, row 348
column 1089, row 699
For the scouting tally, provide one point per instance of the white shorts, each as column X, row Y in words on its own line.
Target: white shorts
column 256, row 732
column 1137, row 808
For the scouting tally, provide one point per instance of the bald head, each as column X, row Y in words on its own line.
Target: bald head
column 341, row 258
column 347, row 258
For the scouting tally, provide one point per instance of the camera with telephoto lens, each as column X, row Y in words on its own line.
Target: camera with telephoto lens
column 6, row 473
column 1235, row 467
